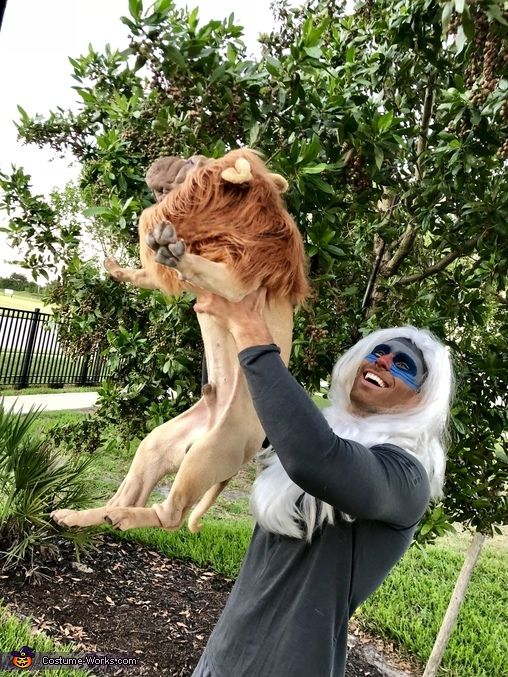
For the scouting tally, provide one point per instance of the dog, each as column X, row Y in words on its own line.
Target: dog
column 224, row 229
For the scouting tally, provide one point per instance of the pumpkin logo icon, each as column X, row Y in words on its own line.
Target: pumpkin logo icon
column 23, row 658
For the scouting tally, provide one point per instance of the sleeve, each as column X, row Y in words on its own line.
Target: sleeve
column 381, row 483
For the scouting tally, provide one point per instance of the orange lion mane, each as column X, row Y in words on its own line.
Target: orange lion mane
column 244, row 225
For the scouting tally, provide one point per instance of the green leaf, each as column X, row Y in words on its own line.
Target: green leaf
column 313, row 52
column 315, row 169
column 193, row 19
column 174, row 55
column 468, row 25
column 320, row 185
column 446, row 15
column 163, row 6
column 378, row 156
column 231, row 53
column 311, row 150
column 459, row 6
column 253, row 134
column 96, row 211
column 426, row 527
column 313, row 36
column 135, row 8
column 139, row 63
column 350, row 54
column 24, row 115
column 384, row 121
column 218, row 73
column 335, row 250
column 273, row 66
column 494, row 12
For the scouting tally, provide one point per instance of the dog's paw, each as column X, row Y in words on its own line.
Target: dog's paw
column 112, row 266
column 118, row 518
column 128, row 518
column 168, row 248
column 66, row 518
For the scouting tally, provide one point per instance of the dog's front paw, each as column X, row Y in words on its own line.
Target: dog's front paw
column 168, row 248
column 119, row 518
column 130, row 517
column 66, row 518
column 112, row 266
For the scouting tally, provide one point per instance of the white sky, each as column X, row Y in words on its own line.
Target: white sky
column 36, row 40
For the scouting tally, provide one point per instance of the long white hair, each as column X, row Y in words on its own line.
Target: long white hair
column 280, row 506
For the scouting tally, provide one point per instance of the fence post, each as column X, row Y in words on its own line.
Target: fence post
column 84, row 370
column 29, row 349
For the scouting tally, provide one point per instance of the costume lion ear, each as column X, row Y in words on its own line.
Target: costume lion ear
column 240, row 173
column 280, row 182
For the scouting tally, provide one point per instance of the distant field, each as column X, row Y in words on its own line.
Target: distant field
column 23, row 301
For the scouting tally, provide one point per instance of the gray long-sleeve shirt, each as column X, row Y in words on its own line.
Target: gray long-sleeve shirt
column 288, row 612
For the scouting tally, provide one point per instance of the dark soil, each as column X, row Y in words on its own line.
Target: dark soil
column 126, row 600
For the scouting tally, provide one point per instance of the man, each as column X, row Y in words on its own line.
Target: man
column 337, row 503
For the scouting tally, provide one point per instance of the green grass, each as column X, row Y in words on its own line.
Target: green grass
column 7, row 391
column 15, row 634
column 50, row 419
column 409, row 607
column 221, row 544
column 23, row 300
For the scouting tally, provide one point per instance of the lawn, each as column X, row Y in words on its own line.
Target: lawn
column 23, row 301
column 6, row 391
column 406, row 610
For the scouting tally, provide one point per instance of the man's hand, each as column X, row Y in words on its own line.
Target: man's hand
column 244, row 320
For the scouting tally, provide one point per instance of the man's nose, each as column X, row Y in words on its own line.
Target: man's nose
column 385, row 361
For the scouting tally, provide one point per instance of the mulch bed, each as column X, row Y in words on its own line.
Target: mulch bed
column 126, row 600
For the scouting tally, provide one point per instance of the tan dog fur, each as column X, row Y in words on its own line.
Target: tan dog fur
column 238, row 237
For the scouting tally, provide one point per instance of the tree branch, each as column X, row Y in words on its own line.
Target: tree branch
column 443, row 263
column 380, row 248
column 406, row 242
column 421, row 144
column 405, row 246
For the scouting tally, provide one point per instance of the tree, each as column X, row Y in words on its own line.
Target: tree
column 18, row 282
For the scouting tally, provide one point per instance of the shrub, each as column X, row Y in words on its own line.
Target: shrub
column 35, row 480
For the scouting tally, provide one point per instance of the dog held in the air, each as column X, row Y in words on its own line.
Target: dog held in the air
column 220, row 226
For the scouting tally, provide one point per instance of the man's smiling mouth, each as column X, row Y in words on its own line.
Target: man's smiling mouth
column 376, row 380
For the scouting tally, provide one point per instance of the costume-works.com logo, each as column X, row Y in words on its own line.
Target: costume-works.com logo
column 23, row 658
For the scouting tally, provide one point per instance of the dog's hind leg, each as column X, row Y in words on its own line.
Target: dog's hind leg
column 212, row 460
column 160, row 453
column 204, row 504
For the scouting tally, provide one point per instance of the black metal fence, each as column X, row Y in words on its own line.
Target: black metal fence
column 30, row 354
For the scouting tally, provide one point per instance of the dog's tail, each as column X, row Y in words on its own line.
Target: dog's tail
column 207, row 500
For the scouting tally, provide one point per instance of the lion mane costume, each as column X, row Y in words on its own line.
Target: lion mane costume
column 222, row 228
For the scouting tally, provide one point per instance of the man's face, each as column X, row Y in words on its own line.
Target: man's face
column 388, row 379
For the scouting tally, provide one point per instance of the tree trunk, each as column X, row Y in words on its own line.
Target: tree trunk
column 456, row 601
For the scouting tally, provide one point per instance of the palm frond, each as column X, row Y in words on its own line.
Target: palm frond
column 36, row 479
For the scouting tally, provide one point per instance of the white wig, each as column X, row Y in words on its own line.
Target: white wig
column 282, row 507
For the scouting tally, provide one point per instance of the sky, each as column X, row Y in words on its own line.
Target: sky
column 36, row 40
